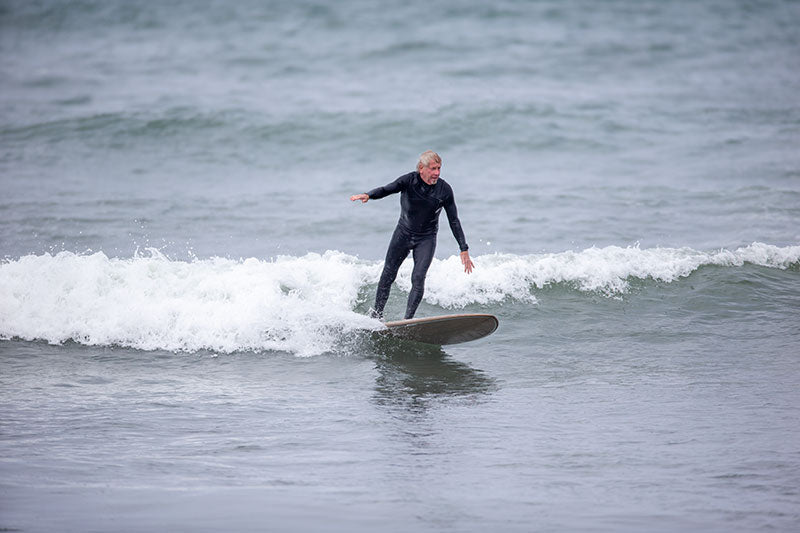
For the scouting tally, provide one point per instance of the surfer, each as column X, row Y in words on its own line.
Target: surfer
column 422, row 196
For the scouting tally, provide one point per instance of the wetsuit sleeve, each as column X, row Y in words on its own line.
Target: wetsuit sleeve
column 455, row 224
column 396, row 186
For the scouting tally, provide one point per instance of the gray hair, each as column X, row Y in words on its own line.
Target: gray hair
column 426, row 158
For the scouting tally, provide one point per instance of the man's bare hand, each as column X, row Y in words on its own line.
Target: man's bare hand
column 362, row 197
column 467, row 262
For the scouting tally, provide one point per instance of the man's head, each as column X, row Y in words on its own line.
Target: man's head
column 429, row 166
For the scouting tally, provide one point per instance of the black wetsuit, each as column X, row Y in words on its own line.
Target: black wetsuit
column 420, row 205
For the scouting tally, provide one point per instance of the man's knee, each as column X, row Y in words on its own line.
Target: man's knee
column 387, row 277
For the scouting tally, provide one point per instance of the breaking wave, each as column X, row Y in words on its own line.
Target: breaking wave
column 305, row 305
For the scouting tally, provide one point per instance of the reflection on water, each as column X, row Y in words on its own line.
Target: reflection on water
column 413, row 375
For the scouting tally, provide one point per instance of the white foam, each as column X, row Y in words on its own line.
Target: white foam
column 298, row 304
column 305, row 304
column 606, row 270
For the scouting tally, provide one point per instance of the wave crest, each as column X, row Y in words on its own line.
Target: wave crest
column 608, row 270
column 305, row 305
column 297, row 304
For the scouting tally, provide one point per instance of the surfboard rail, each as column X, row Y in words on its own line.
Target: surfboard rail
column 442, row 329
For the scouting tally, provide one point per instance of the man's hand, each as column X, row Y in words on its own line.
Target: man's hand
column 467, row 262
column 362, row 197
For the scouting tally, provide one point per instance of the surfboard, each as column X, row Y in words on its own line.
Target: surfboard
column 441, row 330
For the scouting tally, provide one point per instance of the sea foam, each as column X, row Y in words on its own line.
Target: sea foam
column 608, row 271
column 304, row 305
column 298, row 304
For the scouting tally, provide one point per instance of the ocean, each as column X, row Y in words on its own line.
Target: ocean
column 184, row 282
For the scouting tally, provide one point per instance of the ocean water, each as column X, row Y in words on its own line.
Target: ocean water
column 184, row 281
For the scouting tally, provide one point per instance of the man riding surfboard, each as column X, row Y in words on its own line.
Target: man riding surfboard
column 423, row 194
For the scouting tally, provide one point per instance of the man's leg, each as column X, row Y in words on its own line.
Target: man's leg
column 395, row 255
column 423, row 256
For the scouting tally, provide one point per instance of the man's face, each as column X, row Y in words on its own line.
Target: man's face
column 430, row 173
